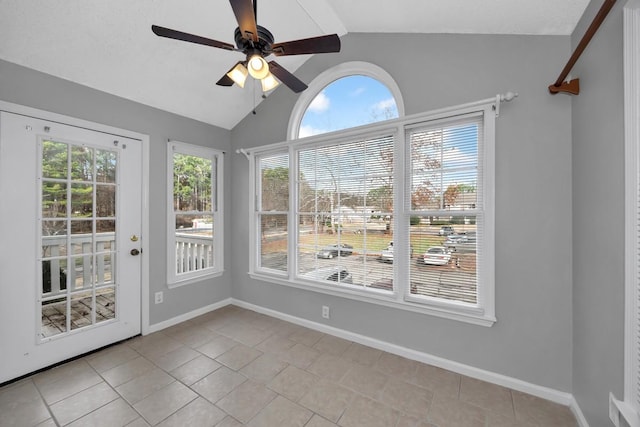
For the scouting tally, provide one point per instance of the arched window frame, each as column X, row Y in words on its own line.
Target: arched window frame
column 354, row 68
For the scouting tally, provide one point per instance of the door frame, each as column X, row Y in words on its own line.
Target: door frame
column 90, row 125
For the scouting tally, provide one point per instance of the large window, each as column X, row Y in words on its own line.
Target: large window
column 195, row 214
column 398, row 213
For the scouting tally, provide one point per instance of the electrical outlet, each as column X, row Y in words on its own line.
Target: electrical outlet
column 159, row 297
column 325, row 311
column 614, row 414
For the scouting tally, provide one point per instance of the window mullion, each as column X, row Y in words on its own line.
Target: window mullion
column 293, row 221
column 401, row 220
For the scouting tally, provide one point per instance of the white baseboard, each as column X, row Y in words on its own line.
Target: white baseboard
column 560, row 397
column 577, row 412
column 187, row 316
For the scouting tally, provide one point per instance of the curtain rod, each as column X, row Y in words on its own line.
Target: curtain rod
column 573, row 86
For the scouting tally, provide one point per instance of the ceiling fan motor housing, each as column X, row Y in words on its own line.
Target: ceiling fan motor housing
column 263, row 45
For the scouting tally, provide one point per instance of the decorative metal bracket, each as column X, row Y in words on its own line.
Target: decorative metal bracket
column 572, row 87
column 243, row 151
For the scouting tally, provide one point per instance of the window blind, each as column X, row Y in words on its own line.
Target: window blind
column 444, row 194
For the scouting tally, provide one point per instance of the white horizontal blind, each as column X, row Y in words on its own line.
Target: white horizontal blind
column 345, row 212
column 272, row 211
column 444, row 194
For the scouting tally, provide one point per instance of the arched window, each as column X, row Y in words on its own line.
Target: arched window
column 348, row 95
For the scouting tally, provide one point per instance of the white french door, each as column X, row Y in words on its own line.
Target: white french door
column 70, row 233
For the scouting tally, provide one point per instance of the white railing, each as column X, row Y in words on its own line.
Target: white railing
column 56, row 277
column 193, row 252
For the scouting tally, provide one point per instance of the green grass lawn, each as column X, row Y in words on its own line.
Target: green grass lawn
column 375, row 241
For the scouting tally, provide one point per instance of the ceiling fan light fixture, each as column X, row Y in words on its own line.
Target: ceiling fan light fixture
column 258, row 67
column 269, row 83
column 238, row 74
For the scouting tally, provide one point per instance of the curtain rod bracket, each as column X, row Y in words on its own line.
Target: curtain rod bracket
column 243, row 151
column 503, row 97
column 572, row 87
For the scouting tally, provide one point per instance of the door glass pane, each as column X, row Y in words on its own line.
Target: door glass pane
column 54, row 276
column 81, row 272
column 105, row 166
column 81, row 304
column 81, row 163
column 54, row 317
column 54, row 199
column 81, row 227
column 54, row 159
column 81, row 200
column 78, row 249
column 105, row 304
column 105, row 268
column 106, row 227
column 54, row 238
column 106, row 200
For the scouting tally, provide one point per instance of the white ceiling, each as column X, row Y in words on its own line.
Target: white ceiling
column 108, row 45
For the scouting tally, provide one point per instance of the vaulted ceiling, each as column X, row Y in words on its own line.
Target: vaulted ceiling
column 109, row 46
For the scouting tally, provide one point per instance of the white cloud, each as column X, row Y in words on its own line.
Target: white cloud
column 320, row 103
column 357, row 92
column 385, row 104
column 306, row 130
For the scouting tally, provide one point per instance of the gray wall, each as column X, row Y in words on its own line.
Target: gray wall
column 38, row 90
column 598, row 217
column 532, row 339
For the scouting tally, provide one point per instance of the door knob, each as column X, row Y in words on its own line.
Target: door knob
column 135, row 252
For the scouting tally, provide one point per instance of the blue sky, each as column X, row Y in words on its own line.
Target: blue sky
column 348, row 102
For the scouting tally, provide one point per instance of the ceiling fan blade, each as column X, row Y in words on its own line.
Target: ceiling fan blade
column 179, row 35
column 226, row 80
column 294, row 83
column 321, row 44
column 245, row 15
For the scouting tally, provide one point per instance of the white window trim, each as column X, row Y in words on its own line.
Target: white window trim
column 484, row 314
column 630, row 406
column 354, row 68
column 174, row 280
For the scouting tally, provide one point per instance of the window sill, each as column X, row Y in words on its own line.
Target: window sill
column 442, row 309
column 194, row 279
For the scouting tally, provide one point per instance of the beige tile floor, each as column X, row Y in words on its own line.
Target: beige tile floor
column 235, row 367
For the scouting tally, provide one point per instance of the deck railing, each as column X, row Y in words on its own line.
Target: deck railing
column 193, row 252
column 58, row 271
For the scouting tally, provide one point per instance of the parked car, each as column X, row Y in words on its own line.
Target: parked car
column 436, row 255
column 387, row 254
column 461, row 242
column 332, row 273
column 446, row 230
column 338, row 249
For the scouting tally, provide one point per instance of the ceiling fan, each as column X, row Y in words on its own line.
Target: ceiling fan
column 257, row 43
